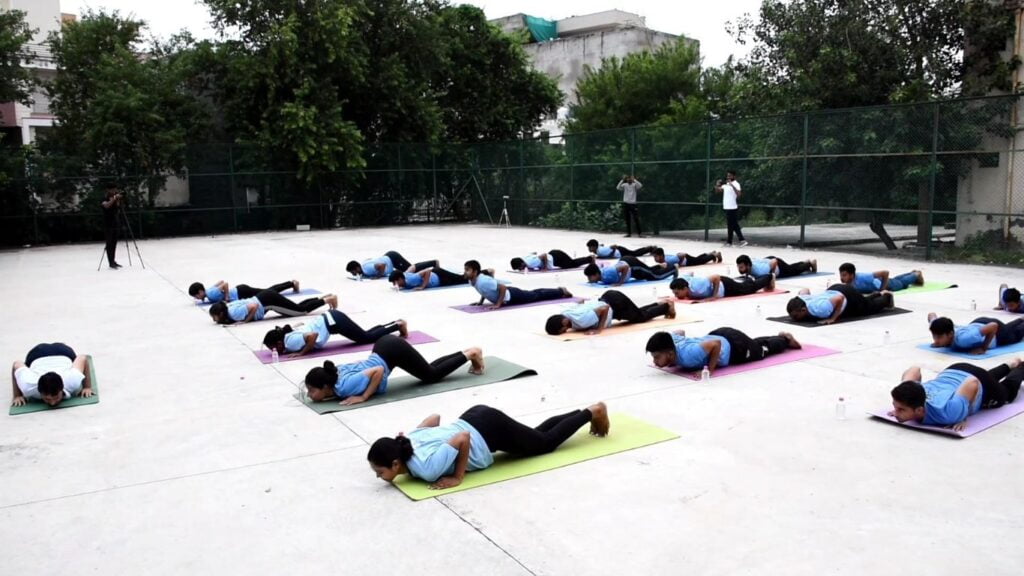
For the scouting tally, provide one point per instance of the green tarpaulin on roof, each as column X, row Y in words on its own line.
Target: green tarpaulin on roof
column 542, row 30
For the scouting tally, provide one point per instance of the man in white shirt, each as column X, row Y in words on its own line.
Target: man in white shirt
column 629, row 187
column 731, row 191
column 51, row 373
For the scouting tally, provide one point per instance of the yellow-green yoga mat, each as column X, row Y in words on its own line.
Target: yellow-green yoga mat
column 627, row 433
column 928, row 287
column 39, row 405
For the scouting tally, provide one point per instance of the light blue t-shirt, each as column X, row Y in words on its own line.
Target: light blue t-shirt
column 970, row 337
column 866, row 282
column 610, row 274
column 674, row 259
column 584, row 316
column 214, row 294
column 761, row 267
column 944, row 406
column 239, row 309
column 433, row 457
column 487, row 286
column 691, row 356
column 607, row 252
column 296, row 339
column 533, row 262
column 820, row 305
column 701, row 287
column 414, row 280
column 352, row 381
column 370, row 272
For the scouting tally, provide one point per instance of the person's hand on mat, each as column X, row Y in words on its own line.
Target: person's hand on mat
column 977, row 351
column 959, row 426
column 445, row 483
column 352, row 400
column 295, row 355
column 826, row 321
column 86, row 392
column 18, row 401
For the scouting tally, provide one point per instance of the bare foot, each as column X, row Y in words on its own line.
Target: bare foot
column 403, row 328
column 814, row 265
column 920, row 278
column 804, row 291
column 790, row 340
column 1014, row 363
column 671, row 309
column 932, row 316
column 565, row 292
column 718, row 257
column 332, row 301
column 600, row 425
column 476, row 359
column 295, row 286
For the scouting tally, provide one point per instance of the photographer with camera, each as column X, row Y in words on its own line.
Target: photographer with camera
column 112, row 202
column 629, row 186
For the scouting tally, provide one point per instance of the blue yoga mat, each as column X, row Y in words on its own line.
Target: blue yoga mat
column 990, row 353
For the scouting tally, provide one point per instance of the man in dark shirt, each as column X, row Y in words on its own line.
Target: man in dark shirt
column 111, row 205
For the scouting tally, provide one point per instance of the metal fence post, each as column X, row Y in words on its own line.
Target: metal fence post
column 931, row 181
column 522, row 173
column 572, row 184
column 707, row 182
column 231, row 176
column 803, row 191
column 433, row 178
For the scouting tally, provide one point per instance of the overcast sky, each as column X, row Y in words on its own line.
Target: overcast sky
column 701, row 20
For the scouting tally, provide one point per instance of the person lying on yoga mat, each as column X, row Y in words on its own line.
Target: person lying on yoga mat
column 868, row 282
column 773, row 265
column 615, row 251
column 255, row 308
column 383, row 266
column 499, row 294
column 625, row 269
column 715, row 286
column 221, row 291
column 1009, row 299
column 549, row 261
column 356, row 382
column 720, row 348
column 442, row 455
column 51, row 373
column 313, row 335
column 955, row 393
column 595, row 315
column 839, row 301
column 682, row 259
column 976, row 337
column 433, row 277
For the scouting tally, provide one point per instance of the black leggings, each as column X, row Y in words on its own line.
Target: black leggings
column 274, row 302
column 110, row 234
column 642, row 271
column 744, row 349
column 43, row 350
column 246, row 291
column 623, row 251
column 624, row 309
column 744, row 286
column 339, row 323
column 519, row 296
column 562, row 260
column 789, row 270
column 397, row 353
column 698, row 260
column 732, row 220
column 859, row 305
column 632, row 214
column 402, row 265
column 502, row 433
column 448, row 278
column 999, row 385
column 1008, row 334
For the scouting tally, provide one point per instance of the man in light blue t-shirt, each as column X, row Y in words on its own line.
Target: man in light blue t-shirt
column 838, row 302
column 615, row 251
column 595, row 315
column 627, row 269
column 720, row 348
column 383, row 266
column 955, row 393
column 1009, row 299
column 868, row 282
column 426, row 278
column 501, row 294
column 977, row 337
column 220, row 291
column 713, row 287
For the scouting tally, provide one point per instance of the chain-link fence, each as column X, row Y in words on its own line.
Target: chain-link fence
column 933, row 179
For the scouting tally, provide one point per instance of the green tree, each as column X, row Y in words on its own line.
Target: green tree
column 16, row 81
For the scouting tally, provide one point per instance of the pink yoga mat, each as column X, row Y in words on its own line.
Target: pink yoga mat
column 732, row 298
column 983, row 420
column 333, row 348
column 471, row 309
column 805, row 353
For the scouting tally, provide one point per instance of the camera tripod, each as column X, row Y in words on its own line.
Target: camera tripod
column 504, row 213
column 123, row 216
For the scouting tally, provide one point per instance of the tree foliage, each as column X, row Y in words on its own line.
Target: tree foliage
column 16, row 82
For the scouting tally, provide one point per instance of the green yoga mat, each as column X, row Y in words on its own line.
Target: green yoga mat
column 405, row 387
column 627, row 433
column 40, row 406
column 928, row 287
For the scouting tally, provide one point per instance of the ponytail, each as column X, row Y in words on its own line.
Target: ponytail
column 385, row 451
column 276, row 336
column 320, row 378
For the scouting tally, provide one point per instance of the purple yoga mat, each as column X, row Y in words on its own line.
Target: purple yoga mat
column 340, row 347
column 982, row 420
column 471, row 309
column 805, row 353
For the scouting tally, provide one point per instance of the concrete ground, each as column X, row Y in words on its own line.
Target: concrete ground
column 198, row 460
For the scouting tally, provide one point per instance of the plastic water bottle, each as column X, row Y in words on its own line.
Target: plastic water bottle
column 275, row 357
column 841, row 409
column 705, row 376
column 758, row 310
column 974, row 305
column 654, row 293
column 558, row 279
column 826, row 283
column 885, row 338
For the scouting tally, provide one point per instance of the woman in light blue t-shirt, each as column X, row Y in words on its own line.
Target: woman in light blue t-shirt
column 358, row 381
column 442, row 455
column 313, row 335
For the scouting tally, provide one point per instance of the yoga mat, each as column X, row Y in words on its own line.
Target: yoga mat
column 807, row 352
column 928, row 287
column 333, row 348
column 990, row 353
column 627, row 433
column 405, row 387
column 40, row 406
column 630, row 282
column 473, row 309
column 977, row 422
column 436, row 288
column 731, row 298
column 814, row 323
column 302, row 292
column 662, row 324
column 551, row 271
